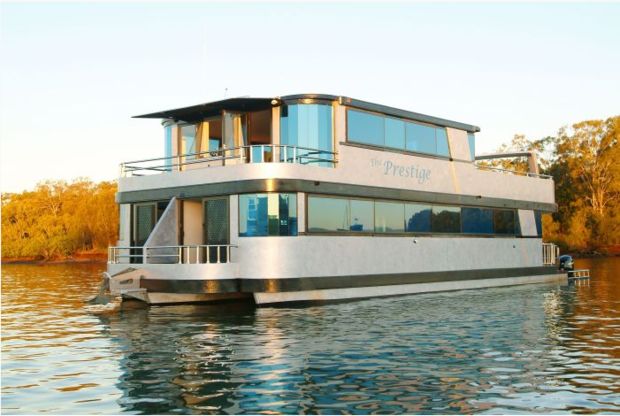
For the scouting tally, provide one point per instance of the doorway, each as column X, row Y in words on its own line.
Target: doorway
column 216, row 229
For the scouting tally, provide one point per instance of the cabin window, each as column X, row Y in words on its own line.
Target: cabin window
column 389, row 132
column 441, row 138
column 188, row 141
column 471, row 139
column 538, row 219
column 477, row 220
column 209, row 137
column 394, row 133
column 307, row 128
column 340, row 214
column 504, row 221
column 267, row 214
column 389, row 217
column 328, row 214
column 168, row 146
column 361, row 216
column 421, row 138
column 365, row 128
column 446, row 219
column 418, row 218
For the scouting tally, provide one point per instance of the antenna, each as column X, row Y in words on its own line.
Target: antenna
column 225, row 92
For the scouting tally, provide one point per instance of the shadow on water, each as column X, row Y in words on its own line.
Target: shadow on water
column 539, row 348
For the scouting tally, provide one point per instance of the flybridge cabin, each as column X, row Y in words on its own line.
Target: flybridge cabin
column 255, row 194
column 302, row 129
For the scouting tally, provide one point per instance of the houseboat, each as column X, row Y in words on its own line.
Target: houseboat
column 317, row 197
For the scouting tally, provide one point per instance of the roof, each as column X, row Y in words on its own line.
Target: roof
column 214, row 108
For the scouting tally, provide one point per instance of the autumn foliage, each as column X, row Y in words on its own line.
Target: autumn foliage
column 59, row 219
column 584, row 161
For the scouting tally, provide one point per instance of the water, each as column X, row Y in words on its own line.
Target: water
column 537, row 348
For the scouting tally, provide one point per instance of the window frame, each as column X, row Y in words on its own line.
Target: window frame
column 393, row 149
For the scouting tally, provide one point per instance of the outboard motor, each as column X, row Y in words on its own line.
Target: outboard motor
column 566, row 262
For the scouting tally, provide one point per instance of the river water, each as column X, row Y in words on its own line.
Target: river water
column 526, row 349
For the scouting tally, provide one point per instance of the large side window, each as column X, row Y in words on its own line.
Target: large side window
column 446, row 220
column 418, row 218
column 504, row 221
column 365, row 128
column 307, row 128
column 477, row 220
column 389, row 217
column 389, row 132
column 267, row 214
column 328, row 214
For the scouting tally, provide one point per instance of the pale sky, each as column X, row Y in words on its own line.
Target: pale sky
column 73, row 74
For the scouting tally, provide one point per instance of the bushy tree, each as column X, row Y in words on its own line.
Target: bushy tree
column 59, row 219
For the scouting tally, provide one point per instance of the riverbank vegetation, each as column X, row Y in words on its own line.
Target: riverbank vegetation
column 60, row 219
column 584, row 161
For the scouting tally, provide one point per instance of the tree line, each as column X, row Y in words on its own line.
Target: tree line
column 59, row 219
column 584, row 161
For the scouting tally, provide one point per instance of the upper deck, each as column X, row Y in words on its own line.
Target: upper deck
column 323, row 144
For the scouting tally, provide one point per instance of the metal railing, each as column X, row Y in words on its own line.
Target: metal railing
column 262, row 153
column 183, row 254
column 514, row 172
column 550, row 254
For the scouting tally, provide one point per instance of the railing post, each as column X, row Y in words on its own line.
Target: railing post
column 217, row 248
column 262, row 154
column 294, row 154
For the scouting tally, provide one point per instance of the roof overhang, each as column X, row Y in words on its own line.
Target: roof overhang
column 201, row 111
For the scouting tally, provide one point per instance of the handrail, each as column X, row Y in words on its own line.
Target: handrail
column 279, row 153
column 181, row 254
column 514, row 172
column 550, row 253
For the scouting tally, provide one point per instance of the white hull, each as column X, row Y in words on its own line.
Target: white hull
column 395, row 290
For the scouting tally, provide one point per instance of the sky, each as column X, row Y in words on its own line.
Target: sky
column 73, row 74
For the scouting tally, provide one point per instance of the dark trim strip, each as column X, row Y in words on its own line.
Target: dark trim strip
column 334, row 282
column 330, row 188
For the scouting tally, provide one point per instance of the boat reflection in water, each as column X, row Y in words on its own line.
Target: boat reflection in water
column 532, row 348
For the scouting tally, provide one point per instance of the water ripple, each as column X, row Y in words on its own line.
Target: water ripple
column 529, row 349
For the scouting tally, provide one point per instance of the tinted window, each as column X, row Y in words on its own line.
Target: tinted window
column 477, row 220
column 188, row 140
column 420, row 138
column 472, row 145
column 394, row 133
column 361, row 215
column 328, row 214
column 504, row 221
column 267, row 214
column 442, row 142
column 365, row 128
column 446, row 219
column 538, row 219
column 389, row 217
column 418, row 218
column 168, row 145
column 308, row 126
